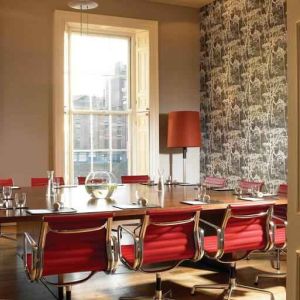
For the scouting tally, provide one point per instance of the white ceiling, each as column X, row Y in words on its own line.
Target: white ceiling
column 189, row 3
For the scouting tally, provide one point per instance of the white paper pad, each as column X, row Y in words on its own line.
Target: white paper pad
column 251, row 199
column 193, row 202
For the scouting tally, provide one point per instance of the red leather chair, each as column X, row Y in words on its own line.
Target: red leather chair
column 135, row 179
column 246, row 185
column 81, row 180
column 6, row 182
column 43, row 181
column 215, row 181
column 71, row 244
column 165, row 238
column 245, row 228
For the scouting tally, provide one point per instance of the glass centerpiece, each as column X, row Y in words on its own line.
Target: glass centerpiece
column 100, row 184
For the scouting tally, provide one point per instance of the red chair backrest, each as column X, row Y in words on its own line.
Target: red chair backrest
column 283, row 189
column 135, row 179
column 6, row 182
column 170, row 242
column 75, row 252
column 215, row 181
column 246, row 227
column 81, row 180
column 43, row 181
column 245, row 184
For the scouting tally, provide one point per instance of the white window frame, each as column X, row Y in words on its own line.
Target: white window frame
column 63, row 19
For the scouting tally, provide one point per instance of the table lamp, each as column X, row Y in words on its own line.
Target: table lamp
column 183, row 132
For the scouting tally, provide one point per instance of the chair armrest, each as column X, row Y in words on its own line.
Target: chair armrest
column 115, row 253
column 220, row 239
column 136, row 243
column 30, row 242
column 282, row 222
column 275, row 223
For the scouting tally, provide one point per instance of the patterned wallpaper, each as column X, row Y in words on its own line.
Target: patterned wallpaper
column 243, row 90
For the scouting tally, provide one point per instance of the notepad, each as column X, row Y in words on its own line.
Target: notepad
column 251, row 199
column 65, row 210
column 223, row 189
column 200, row 202
column 15, row 187
column 65, row 186
column 193, row 202
column 135, row 206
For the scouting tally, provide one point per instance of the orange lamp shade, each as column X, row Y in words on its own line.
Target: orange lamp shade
column 184, row 129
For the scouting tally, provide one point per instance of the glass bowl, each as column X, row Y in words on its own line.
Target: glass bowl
column 100, row 184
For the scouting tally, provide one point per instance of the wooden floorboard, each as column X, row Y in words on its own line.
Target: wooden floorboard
column 14, row 284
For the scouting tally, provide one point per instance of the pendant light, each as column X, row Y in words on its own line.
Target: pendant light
column 83, row 5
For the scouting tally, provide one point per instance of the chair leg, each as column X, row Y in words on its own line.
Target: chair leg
column 60, row 290
column 158, row 292
column 68, row 292
column 231, row 286
column 5, row 236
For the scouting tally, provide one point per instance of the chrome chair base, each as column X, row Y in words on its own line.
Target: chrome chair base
column 231, row 286
column 276, row 266
column 270, row 275
column 4, row 236
column 158, row 296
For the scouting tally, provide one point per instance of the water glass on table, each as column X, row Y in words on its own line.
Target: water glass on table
column 20, row 201
column 202, row 194
column 6, row 192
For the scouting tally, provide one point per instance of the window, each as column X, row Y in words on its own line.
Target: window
column 102, row 100
column 99, row 109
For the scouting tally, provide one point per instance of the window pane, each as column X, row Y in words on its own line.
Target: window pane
column 101, row 132
column 118, row 88
column 101, row 161
column 82, row 164
column 99, row 68
column 119, row 132
column 119, row 163
column 81, row 132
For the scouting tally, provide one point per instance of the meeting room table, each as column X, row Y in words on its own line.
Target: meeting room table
column 121, row 203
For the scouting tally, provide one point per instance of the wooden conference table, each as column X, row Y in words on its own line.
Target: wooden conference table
column 79, row 199
column 82, row 202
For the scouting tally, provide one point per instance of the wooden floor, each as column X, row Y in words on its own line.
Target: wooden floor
column 14, row 284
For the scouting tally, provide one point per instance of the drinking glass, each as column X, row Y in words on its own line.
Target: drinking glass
column 202, row 194
column 7, row 191
column 20, row 201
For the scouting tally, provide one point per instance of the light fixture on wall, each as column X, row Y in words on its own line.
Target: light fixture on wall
column 183, row 132
column 83, row 5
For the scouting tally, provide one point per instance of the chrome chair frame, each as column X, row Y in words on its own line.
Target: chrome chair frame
column 36, row 272
column 138, row 239
column 220, row 231
column 277, row 249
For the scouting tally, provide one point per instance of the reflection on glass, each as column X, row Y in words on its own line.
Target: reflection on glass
column 101, row 132
column 101, row 161
column 81, row 132
column 82, row 163
column 119, row 163
column 81, row 102
column 119, row 132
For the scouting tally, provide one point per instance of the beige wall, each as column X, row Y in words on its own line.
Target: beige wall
column 26, row 74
